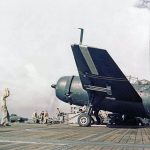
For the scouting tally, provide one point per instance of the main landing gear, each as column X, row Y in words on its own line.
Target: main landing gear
column 91, row 117
column 86, row 118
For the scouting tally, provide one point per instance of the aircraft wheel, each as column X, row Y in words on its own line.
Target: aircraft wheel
column 84, row 120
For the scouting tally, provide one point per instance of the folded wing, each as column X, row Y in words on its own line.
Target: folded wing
column 100, row 74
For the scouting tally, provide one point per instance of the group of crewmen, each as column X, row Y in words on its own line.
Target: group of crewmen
column 42, row 118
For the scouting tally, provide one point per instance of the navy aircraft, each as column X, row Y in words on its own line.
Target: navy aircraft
column 101, row 85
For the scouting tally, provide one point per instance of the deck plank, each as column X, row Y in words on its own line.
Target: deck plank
column 63, row 137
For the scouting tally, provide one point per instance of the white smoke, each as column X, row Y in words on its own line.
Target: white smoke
column 35, row 38
column 143, row 4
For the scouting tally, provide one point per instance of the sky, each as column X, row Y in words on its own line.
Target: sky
column 35, row 39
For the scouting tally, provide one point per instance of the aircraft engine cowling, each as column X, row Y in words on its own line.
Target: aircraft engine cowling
column 69, row 89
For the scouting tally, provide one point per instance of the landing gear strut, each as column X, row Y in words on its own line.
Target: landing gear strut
column 84, row 120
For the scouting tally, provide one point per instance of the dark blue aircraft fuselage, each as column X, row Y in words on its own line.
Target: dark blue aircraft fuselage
column 69, row 89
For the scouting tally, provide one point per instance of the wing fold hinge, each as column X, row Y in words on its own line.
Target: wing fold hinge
column 106, row 89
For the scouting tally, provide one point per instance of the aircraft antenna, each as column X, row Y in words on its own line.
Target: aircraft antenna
column 81, row 35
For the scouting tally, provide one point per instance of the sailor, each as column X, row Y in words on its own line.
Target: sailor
column 45, row 117
column 42, row 117
column 5, row 113
column 35, row 117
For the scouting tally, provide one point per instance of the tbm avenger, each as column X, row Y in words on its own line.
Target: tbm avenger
column 101, row 85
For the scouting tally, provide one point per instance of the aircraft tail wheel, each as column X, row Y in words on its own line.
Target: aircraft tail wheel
column 84, row 120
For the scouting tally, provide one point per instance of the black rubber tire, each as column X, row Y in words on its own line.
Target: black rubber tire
column 84, row 120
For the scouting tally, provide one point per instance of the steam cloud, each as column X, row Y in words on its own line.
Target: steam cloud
column 35, row 38
column 143, row 4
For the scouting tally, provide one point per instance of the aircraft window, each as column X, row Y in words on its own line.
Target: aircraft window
column 145, row 87
column 134, row 80
column 145, row 82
